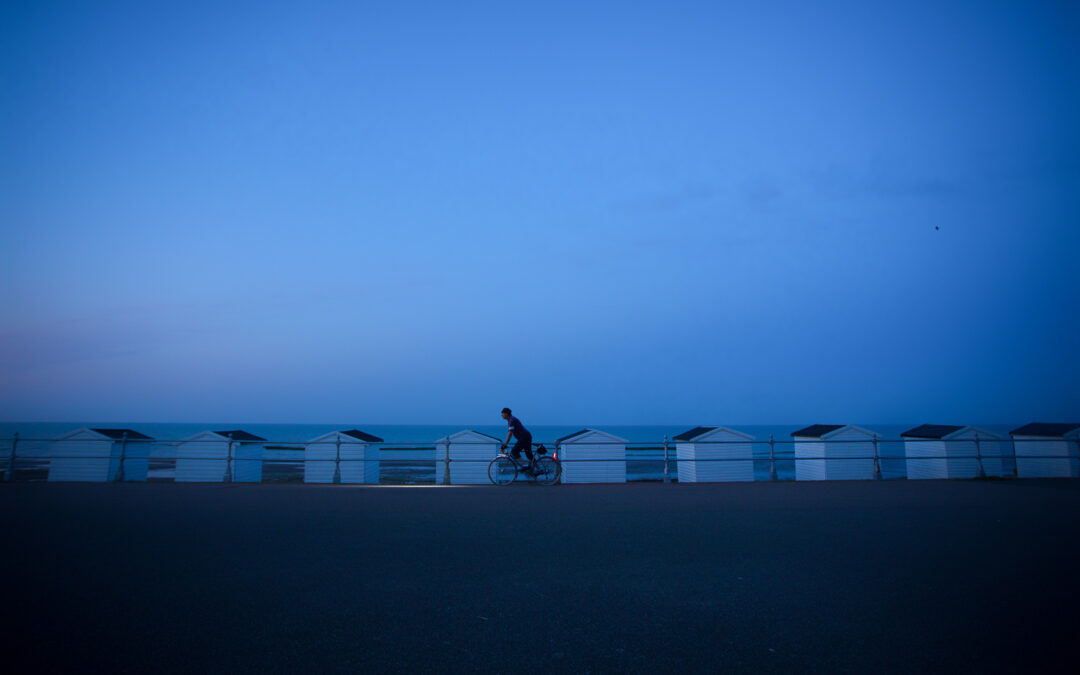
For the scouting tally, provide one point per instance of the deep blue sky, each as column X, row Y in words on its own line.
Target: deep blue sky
column 400, row 212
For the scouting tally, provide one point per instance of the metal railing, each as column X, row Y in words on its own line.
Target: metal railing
column 233, row 453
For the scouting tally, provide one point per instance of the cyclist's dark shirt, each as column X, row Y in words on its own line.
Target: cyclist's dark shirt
column 517, row 428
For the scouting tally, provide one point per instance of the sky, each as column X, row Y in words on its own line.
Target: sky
column 601, row 213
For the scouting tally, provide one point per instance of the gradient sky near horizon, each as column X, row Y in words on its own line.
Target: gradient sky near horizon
column 605, row 213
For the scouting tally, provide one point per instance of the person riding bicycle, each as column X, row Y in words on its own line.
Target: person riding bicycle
column 522, row 436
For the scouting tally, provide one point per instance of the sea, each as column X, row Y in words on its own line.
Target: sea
column 408, row 458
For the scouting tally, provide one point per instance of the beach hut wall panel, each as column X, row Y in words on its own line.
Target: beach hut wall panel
column 470, row 453
column 807, row 467
column 1047, row 450
column 834, row 452
column 603, row 457
column 94, row 455
column 993, row 450
column 204, row 458
column 946, row 451
column 714, row 454
column 359, row 457
column 925, row 458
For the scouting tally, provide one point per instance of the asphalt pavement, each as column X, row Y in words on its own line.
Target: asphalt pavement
column 856, row 577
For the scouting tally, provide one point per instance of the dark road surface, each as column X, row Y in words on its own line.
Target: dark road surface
column 854, row 577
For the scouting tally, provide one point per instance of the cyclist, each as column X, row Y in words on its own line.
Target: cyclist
column 522, row 437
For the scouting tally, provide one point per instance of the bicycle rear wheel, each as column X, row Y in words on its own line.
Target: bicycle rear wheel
column 502, row 470
column 548, row 471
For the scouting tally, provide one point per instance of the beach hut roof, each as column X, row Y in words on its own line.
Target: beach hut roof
column 583, row 432
column 826, row 430
column 946, row 431
column 354, row 434
column 114, row 434
column 817, row 430
column 239, row 435
column 931, row 431
column 1046, row 429
column 118, row 434
column 698, row 432
column 465, row 432
column 362, row 436
column 692, row 433
column 573, row 435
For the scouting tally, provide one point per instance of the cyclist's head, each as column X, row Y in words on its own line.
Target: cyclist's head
column 506, row 413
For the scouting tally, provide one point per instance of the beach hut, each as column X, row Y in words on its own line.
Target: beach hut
column 352, row 455
column 604, row 455
column 714, row 454
column 470, row 452
column 1045, row 450
column 947, row 451
column 834, row 452
column 216, row 456
column 95, row 455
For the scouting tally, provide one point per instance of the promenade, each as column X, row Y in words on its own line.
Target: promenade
column 859, row 577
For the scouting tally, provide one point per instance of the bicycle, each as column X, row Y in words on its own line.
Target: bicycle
column 504, row 469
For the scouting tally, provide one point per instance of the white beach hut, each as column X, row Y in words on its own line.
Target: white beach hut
column 1045, row 450
column 604, row 455
column 834, row 452
column 947, row 451
column 470, row 452
column 714, row 454
column 216, row 456
column 95, row 455
column 352, row 455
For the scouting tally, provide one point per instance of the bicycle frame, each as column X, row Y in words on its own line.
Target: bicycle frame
column 524, row 467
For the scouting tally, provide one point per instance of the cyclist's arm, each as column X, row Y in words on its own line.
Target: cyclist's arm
column 507, row 441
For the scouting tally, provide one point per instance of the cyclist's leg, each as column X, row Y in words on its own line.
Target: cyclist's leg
column 526, row 445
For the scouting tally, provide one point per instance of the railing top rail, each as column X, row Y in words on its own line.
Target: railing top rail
column 755, row 458
column 429, row 444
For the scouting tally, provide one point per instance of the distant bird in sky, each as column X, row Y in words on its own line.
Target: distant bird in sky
column 936, row 227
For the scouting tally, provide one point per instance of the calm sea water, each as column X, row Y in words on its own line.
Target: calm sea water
column 412, row 461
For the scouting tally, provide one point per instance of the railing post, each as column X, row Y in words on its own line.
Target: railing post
column 877, row 462
column 979, row 472
column 446, row 463
column 228, row 464
column 667, row 470
column 337, row 460
column 11, row 460
column 123, row 455
column 772, row 459
column 1016, row 465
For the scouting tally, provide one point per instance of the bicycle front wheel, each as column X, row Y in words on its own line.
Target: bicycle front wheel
column 548, row 471
column 502, row 470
